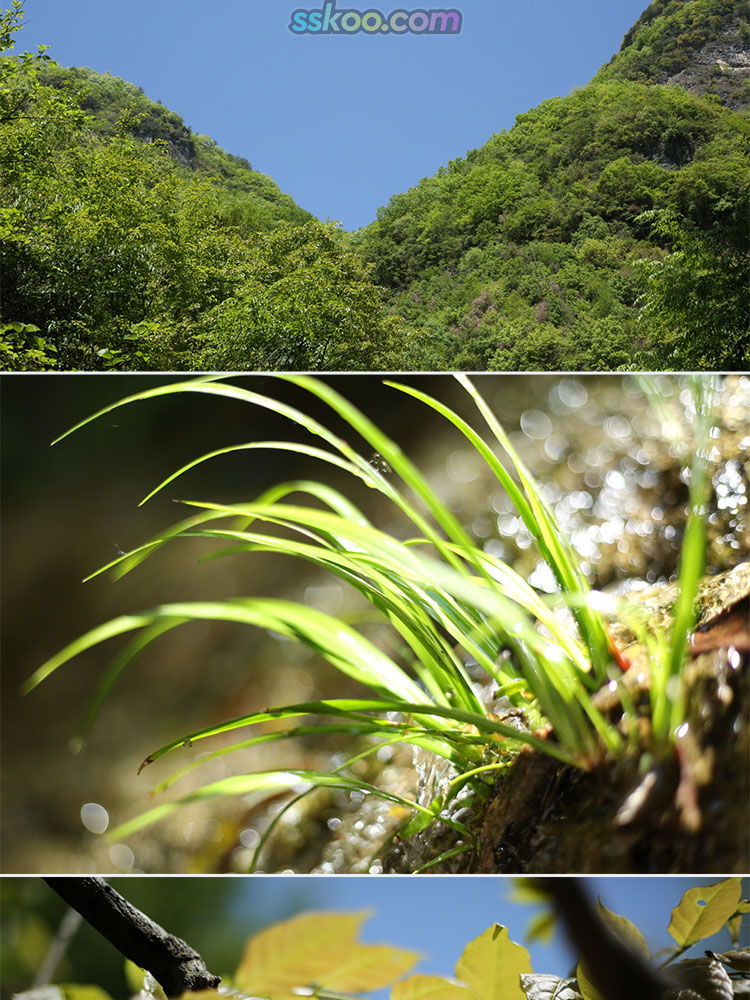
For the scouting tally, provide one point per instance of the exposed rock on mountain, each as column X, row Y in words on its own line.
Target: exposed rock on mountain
column 702, row 46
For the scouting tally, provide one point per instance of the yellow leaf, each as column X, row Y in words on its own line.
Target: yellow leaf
column 704, row 911
column 624, row 930
column 491, row 966
column 429, row 988
column 587, row 988
column 318, row 949
column 293, row 953
column 367, row 967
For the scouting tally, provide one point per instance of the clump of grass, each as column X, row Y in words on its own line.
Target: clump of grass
column 444, row 596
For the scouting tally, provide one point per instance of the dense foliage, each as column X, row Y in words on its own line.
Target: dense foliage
column 541, row 249
column 130, row 243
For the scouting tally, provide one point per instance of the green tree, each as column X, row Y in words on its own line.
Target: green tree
column 696, row 301
column 305, row 302
column 18, row 77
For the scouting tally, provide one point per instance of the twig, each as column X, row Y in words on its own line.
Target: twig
column 176, row 966
column 59, row 945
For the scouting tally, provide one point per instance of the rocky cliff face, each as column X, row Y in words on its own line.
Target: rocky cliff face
column 721, row 67
column 702, row 46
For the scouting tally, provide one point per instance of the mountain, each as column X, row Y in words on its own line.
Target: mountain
column 128, row 242
column 699, row 45
column 114, row 105
column 605, row 229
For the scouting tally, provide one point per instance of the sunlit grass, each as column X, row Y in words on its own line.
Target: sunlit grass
column 446, row 598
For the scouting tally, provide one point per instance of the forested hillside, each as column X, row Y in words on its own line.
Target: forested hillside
column 114, row 106
column 606, row 229
column 128, row 242
column 610, row 221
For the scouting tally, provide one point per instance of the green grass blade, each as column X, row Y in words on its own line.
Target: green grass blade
column 326, row 494
column 555, row 547
column 346, row 649
column 246, row 784
column 353, row 707
column 517, row 498
column 118, row 626
column 668, row 698
column 435, row 661
column 400, row 465
column 296, row 447
column 352, row 725
column 116, row 668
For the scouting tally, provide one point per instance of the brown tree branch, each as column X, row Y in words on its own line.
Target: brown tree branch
column 616, row 970
column 176, row 966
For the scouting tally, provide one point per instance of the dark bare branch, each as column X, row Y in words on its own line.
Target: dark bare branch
column 617, row 971
column 176, row 966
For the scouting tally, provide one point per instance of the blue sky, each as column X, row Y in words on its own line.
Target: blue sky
column 438, row 916
column 340, row 122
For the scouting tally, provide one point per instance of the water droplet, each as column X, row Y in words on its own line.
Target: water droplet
column 249, row 837
column 536, row 424
column 121, row 856
column 94, row 817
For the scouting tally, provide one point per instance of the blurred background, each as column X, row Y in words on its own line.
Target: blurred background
column 435, row 916
column 610, row 470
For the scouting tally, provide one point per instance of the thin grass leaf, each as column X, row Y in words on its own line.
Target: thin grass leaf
column 555, row 548
column 400, row 465
column 436, row 663
column 408, row 733
column 275, row 819
column 517, row 589
column 344, row 648
column 693, row 553
column 296, row 447
column 517, row 498
column 445, row 856
column 333, row 498
column 245, row 784
column 118, row 626
column 371, row 546
column 668, row 700
column 352, row 707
